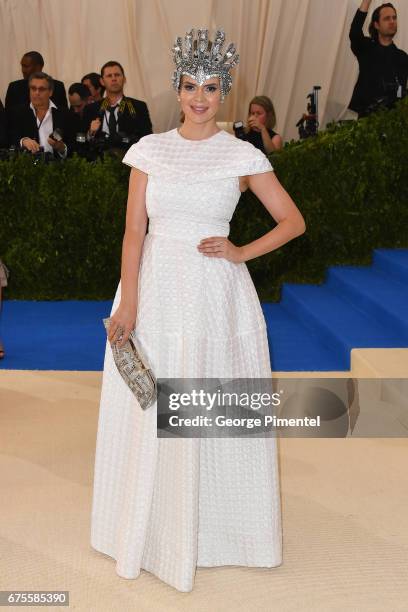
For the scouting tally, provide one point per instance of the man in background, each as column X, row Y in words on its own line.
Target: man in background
column 17, row 91
column 79, row 97
column 39, row 125
column 383, row 67
column 120, row 120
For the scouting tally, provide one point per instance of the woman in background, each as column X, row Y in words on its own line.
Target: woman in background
column 260, row 124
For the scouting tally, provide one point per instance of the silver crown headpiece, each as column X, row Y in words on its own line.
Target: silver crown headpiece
column 202, row 59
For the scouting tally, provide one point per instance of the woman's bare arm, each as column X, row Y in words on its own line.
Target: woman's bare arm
column 136, row 223
column 281, row 207
column 271, row 144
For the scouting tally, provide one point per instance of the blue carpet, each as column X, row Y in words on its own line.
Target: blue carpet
column 314, row 327
column 66, row 335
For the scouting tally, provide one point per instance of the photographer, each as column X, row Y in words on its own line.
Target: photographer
column 79, row 97
column 383, row 67
column 40, row 126
column 118, row 120
column 260, row 123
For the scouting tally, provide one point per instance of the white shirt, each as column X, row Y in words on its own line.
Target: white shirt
column 105, row 124
column 45, row 128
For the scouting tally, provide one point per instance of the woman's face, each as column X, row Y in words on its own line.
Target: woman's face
column 258, row 112
column 199, row 103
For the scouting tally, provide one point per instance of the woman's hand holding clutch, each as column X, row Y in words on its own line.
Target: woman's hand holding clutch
column 122, row 322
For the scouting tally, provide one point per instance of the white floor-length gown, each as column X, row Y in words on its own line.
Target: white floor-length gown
column 170, row 505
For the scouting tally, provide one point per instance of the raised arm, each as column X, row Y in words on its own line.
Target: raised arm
column 281, row 207
column 136, row 224
column 364, row 6
column 356, row 35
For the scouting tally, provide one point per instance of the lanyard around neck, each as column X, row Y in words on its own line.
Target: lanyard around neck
column 39, row 122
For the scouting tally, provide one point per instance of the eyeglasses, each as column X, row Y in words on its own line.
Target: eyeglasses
column 39, row 89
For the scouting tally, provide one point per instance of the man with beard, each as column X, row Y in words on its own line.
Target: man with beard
column 121, row 120
column 383, row 67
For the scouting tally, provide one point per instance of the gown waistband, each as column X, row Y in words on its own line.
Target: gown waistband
column 187, row 230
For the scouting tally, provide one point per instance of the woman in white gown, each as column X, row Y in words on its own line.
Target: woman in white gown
column 171, row 505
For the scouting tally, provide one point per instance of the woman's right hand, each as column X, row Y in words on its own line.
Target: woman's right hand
column 122, row 322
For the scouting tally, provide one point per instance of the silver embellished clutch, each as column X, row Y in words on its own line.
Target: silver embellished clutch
column 134, row 369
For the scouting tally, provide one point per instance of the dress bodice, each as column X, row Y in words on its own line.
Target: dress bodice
column 194, row 183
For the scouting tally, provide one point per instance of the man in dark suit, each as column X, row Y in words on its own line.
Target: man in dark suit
column 40, row 125
column 121, row 120
column 3, row 132
column 17, row 91
column 79, row 98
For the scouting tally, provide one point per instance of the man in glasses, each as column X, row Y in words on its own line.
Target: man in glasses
column 40, row 125
column 17, row 91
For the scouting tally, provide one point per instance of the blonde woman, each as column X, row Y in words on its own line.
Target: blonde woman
column 260, row 123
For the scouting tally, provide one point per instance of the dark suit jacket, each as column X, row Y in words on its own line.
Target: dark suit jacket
column 79, row 122
column 3, row 132
column 18, row 94
column 25, row 124
column 135, row 125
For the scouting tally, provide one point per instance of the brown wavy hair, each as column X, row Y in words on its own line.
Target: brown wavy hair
column 267, row 105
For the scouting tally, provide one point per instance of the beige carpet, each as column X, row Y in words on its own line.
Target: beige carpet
column 345, row 509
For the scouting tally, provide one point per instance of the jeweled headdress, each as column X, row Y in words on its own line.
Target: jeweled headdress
column 202, row 59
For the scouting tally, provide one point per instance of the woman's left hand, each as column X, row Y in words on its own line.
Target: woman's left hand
column 220, row 246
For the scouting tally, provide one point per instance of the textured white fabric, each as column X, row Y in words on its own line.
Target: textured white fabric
column 170, row 505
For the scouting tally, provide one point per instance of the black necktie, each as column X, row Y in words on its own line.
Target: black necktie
column 112, row 121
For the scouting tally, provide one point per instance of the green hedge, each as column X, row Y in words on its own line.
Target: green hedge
column 61, row 225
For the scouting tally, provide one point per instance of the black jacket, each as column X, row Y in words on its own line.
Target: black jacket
column 79, row 122
column 134, row 124
column 382, row 68
column 18, row 94
column 3, row 132
column 24, row 124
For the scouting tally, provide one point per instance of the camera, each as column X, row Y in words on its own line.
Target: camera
column 308, row 124
column 56, row 134
column 239, row 130
column 392, row 92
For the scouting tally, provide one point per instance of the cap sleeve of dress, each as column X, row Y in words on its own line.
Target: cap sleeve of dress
column 139, row 155
column 257, row 162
